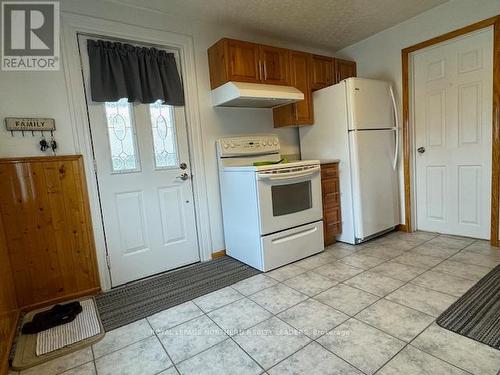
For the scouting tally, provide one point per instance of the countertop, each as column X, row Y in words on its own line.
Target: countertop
column 329, row 161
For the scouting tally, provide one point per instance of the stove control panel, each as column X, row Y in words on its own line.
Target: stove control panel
column 248, row 145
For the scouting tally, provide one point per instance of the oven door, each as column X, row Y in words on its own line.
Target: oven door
column 289, row 197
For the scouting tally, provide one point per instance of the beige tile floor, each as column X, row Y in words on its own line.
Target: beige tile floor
column 350, row 310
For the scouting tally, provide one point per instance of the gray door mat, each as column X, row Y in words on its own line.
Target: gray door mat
column 23, row 354
column 476, row 314
column 140, row 299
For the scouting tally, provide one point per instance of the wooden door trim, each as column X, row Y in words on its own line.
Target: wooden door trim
column 495, row 175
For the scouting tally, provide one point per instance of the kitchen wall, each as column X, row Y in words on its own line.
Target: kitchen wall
column 379, row 56
column 8, row 304
column 44, row 94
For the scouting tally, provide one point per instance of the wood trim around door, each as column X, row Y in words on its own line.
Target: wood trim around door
column 495, row 175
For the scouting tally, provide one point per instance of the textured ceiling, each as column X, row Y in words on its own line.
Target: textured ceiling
column 326, row 24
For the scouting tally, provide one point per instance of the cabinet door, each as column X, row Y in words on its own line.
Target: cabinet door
column 300, row 64
column 321, row 72
column 243, row 63
column 300, row 113
column 284, row 116
column 344, row 69
column 275, row 64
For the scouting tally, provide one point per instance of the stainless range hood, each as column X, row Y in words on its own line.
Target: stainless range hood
column 254, row 95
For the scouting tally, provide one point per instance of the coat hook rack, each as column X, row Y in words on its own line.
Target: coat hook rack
column 30, row 124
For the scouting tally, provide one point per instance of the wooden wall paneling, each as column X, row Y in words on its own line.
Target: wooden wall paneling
column 9, row 311
column 495, row 175
column 44, row 204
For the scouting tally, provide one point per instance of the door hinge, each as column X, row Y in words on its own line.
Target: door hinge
column 95, row 165
column 108, row 261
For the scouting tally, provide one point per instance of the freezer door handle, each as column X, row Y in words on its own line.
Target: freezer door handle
column 396, row 130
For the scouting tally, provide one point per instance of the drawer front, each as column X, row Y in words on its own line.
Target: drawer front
column 332, row 216
column 330, row 170
column 331, row 231
column 331, row 192
column 291, row 245
column 332, row 225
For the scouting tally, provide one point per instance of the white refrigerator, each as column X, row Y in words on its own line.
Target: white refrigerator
column 356, row 122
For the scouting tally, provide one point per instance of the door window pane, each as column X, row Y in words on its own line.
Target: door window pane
column 291, row 198
column 164, row 138
column 121, row 135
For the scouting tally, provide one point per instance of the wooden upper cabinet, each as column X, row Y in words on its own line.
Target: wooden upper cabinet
column 300, row 113
column 321, row 72
column 239, row 61
column 344, row 69
column 233, row 60
column 243, row 61
column 275, row 65
column 300, row 64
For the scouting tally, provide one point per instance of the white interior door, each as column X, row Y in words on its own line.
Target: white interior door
column 452, row 85
column 141, row 152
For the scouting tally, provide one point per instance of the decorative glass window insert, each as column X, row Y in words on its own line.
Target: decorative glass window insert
column 121, row 135
column 164, row 138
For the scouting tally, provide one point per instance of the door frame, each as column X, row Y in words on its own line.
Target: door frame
column 71, row 26
column 408, row 139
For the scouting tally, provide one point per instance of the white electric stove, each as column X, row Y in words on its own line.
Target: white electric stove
column 272, row 209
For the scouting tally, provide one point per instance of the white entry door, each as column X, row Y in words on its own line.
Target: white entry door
column 142, row 162
column 452, row 95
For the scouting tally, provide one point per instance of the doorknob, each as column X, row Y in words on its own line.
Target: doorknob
column 183, row 166
column 421, row 150
column 183, row 176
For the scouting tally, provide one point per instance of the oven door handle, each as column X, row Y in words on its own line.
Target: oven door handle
column 288, row 175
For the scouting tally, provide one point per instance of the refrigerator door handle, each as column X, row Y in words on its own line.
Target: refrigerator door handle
column 396, row 129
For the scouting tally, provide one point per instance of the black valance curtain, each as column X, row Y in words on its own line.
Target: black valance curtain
column 139, row 74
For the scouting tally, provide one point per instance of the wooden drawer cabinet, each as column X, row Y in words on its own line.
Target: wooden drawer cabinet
column 321, row 72
column 300, row 113
column 330, row 187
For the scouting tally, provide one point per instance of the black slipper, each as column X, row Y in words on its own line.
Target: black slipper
column 57, row 315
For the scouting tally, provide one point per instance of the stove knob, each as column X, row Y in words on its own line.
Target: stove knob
column 264, row 143
column 232, row 145
column 226, row 145
column 275, row 143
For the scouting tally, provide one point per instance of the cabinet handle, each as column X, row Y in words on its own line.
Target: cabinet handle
column 265, row 70
column 260, row 70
